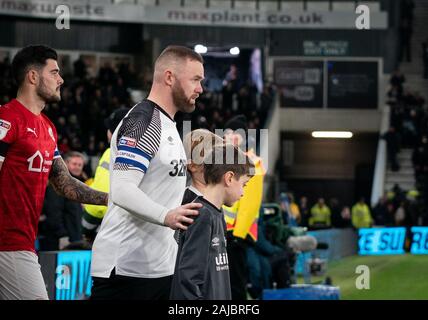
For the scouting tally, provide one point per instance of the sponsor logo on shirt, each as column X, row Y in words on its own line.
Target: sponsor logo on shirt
column 4, row 128
column 36, row 163
column 128, row 142
column 33, row 131
column 5, row 124
column 215, row 242
column 221, row 262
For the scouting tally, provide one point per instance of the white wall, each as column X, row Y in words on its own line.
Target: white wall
column 301, row 119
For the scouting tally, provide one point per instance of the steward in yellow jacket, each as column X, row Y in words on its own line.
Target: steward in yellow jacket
column 361, row 217
column 241, row 218
column 320, row 215
column 92, row 214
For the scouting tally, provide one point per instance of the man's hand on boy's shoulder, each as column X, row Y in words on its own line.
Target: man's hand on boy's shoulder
column 178, row 218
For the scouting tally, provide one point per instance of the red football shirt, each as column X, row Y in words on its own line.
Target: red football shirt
column 27, row 149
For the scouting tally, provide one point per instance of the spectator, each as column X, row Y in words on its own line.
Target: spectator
column 304, row 212
column 340, row 217
column 361, row 217
column 400, row 215
column 393, row 147
column 290, row 210
column 420, row 158
column 60, row 222
column 320, row 215
column 106, row 74
column 394, row 95
column 413, row 208
column 92, row 214
column 397, row 79
column 232, row 78
column 398, row 195
column 380, row 213
column 80, row 71
column 336, row 217
column 346, row 221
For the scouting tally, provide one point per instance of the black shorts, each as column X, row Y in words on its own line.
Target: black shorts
column 119, row 287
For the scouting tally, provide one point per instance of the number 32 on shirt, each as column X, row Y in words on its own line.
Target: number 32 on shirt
column 178, row 168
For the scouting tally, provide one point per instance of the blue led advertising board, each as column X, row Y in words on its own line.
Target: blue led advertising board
column 381, row 241
column 73, row 275
column 419, row 240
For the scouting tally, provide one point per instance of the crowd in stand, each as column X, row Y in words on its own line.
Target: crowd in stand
column 409, row 129
column 407, row 8
column 87, row 101
column 396, row 208
column 237, row 96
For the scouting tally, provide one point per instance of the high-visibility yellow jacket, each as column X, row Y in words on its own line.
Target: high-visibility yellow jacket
column 94, row 214
column 241, row 218
column 320, row 216
column 361, row 217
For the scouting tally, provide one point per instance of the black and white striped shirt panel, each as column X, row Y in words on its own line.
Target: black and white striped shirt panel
column 138, row 138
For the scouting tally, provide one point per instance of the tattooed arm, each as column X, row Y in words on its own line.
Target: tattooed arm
column 71, row 188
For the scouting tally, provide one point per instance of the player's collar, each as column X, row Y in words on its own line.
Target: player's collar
column 160, row 109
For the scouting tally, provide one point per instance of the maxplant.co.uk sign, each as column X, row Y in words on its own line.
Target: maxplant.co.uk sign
column 197, row 16
column 391, row 241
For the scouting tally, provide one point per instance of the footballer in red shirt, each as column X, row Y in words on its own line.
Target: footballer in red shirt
column 29, row 157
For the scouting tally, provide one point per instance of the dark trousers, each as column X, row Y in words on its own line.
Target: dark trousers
column 237, row 256
column 129, row 288
column 392, row 158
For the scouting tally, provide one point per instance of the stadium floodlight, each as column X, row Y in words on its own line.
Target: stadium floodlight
column 234, row 51
column 199, row 48
column 332, row 134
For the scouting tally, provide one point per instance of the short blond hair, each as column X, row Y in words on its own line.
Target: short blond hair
column 202, row 139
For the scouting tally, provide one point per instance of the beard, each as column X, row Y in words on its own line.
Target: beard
column 43, row 92
column 180, row 100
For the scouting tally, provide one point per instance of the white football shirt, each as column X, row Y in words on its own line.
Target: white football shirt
column 147, row 179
